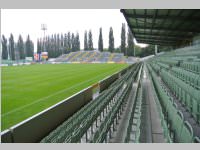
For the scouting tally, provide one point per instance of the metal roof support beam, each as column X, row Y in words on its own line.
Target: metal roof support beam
column 154, row 19
column 181, row 18
column 151, row 40
column 158, row 43
column 161, row 35
column 168, row 29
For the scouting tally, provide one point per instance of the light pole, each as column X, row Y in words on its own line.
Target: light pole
column 44, row 28
column 156, row 49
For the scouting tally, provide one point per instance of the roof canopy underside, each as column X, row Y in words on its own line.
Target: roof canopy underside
column 163, row 26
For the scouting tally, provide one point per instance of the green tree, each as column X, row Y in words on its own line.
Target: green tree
column 39, row 48
column 138, row 50
column 77, row 42
column 130, row 49
column 62, row 44
column 100, row 42
column 50, row 51
column 58, row 52
column 123, row 39
column 69, row 41
column 29, row 47
column 11, row 47
column 20, row 47
column 90, row 42
column 73, row 42
column 85, row 41
column 4, row 48
column 149, row 50
column 111, row 46
column 65, row 44
column 48, row 45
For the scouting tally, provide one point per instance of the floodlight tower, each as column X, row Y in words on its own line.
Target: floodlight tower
column 44, row 28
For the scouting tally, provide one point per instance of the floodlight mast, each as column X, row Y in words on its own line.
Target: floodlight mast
column 44, row 28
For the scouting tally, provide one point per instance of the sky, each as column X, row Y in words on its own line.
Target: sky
column 28, row 21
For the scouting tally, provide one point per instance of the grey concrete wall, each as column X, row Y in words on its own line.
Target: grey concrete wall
column 103, row 84
column 6, row 136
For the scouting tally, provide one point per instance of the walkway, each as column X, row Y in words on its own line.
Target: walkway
column 151, row 129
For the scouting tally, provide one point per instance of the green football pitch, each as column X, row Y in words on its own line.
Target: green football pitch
column 27, row 90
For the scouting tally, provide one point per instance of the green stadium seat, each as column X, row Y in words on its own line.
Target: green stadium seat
column 177, row 124
column 196, row 139
column 186, row 135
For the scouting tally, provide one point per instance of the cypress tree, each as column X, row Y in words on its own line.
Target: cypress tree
column 130, row 49
column 20, row 47
column 4, row 48
column 69, row 41
column 100, row 42
column 11, row 47
column 72, row 42
column 77, row 42
column 39, row 46
column 111, row 41
column 90, row 42
column 29, row 47
column 54, row 46
column 85, row 41
column 62, row 44
column 123, row 39
column 58, row 45
column 65, row 44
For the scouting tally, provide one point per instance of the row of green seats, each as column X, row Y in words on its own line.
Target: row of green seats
column 101, row 134
column 188, row 95
column 181, row 131
column 159, row 108
column 163, row 65
column 134, row 114
column 191, row 66
column 167, row 60
column 189, row 77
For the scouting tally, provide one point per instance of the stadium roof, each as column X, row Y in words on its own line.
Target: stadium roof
column 163, row 26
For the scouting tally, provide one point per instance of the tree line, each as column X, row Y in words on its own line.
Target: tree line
column 58, row 44
column 16, row 50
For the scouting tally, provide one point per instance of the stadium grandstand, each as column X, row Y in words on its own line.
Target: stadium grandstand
column 82, row 56
column 155, row 99
column 94, row 57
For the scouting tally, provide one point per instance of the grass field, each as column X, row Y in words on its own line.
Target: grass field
column 27, row 90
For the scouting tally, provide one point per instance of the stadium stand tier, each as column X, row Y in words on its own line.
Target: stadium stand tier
column 176, row 77
column 95, row 57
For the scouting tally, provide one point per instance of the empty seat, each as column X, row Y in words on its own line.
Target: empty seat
column 186, row 135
